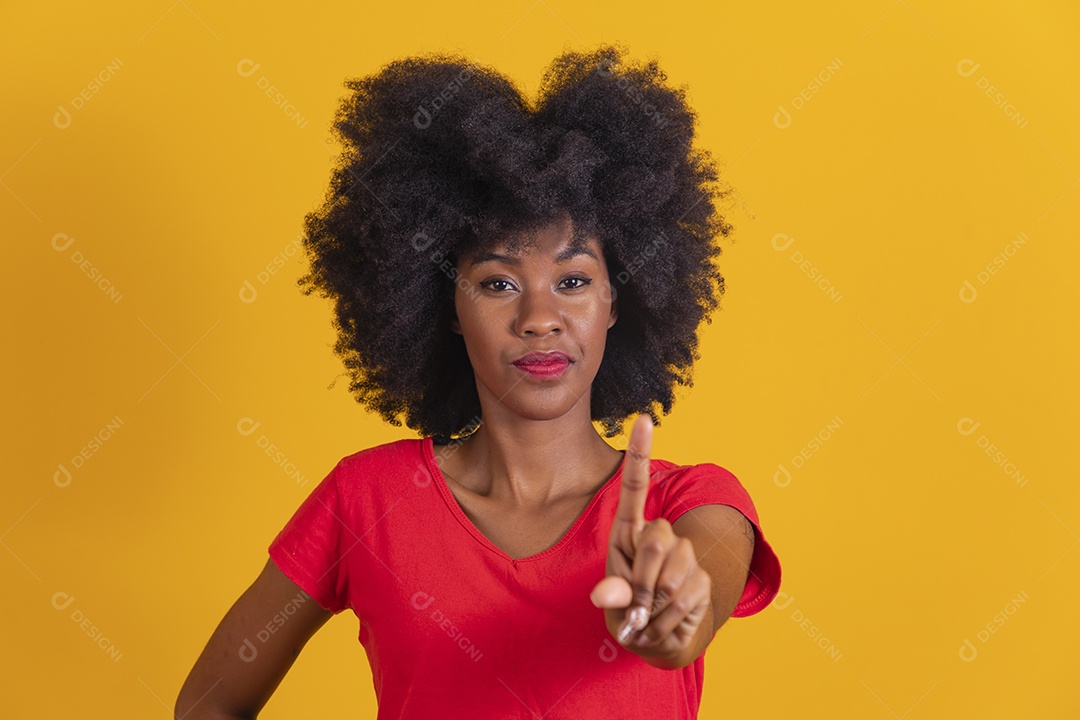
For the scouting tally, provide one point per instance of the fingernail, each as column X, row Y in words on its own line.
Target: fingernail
column 636, row 619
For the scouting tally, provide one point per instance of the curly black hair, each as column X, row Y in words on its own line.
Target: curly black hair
column 444, row 157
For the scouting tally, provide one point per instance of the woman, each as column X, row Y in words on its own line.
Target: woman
column 504, row 276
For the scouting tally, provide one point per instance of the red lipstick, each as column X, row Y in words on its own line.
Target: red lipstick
column 544, row 365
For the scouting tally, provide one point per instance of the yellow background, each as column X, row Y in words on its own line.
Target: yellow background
column 898, row 180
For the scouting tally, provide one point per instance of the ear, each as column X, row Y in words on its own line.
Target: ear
column 614, row 313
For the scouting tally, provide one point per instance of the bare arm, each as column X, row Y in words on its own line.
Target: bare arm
column 724, row 545
column 251, row 650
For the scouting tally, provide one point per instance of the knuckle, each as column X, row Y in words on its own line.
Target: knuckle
column 652, row 547
column 661, row 525
column 660, row 601
column 667, row 588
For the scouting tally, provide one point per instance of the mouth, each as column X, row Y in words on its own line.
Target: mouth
column 545, row 365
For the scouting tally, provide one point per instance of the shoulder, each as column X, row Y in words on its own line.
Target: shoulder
column 682, row 487
column 391, row 451
column 672, row 477
column 381, row 460
column 697, row 491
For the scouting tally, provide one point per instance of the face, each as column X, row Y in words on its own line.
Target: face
column 547, row 298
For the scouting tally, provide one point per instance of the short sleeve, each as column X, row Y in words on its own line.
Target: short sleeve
column 310, row 548
column 707, row 484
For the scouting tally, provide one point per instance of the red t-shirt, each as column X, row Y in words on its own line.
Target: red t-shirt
column 454, row 627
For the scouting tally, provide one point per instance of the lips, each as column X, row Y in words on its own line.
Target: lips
column 543, row 366
column 548, row 358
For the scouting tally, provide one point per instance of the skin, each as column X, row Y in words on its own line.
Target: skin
column 536, row 461
column 523, row 478
column 685, row 577
column 222, row 684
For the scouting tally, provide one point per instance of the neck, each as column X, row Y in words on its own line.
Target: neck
column 527, row 463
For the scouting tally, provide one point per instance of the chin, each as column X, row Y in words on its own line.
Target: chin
column 546, row 406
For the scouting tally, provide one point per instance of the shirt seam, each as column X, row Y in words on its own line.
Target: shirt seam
column 765, row 587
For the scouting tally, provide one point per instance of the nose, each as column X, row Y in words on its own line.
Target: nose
column 538, row 314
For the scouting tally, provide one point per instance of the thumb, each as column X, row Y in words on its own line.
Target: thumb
column 612, row 592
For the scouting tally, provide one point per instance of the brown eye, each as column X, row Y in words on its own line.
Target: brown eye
column 488, row 283
column 583, row 280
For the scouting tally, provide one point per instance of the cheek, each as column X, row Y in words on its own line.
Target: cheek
column 593, row 332
column 478, row 331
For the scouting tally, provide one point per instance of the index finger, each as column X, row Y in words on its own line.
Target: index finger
column 635, row 477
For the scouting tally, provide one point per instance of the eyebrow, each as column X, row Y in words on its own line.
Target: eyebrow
column 566, row 254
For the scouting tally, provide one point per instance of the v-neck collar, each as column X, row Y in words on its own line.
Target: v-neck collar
column 427, row 448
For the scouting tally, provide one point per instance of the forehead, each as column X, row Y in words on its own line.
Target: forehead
column 560, row 240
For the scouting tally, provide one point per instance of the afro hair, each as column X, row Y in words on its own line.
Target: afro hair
column 444, row 157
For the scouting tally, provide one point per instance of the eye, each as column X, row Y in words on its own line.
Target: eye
column 489, row 283
column 583, row 280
